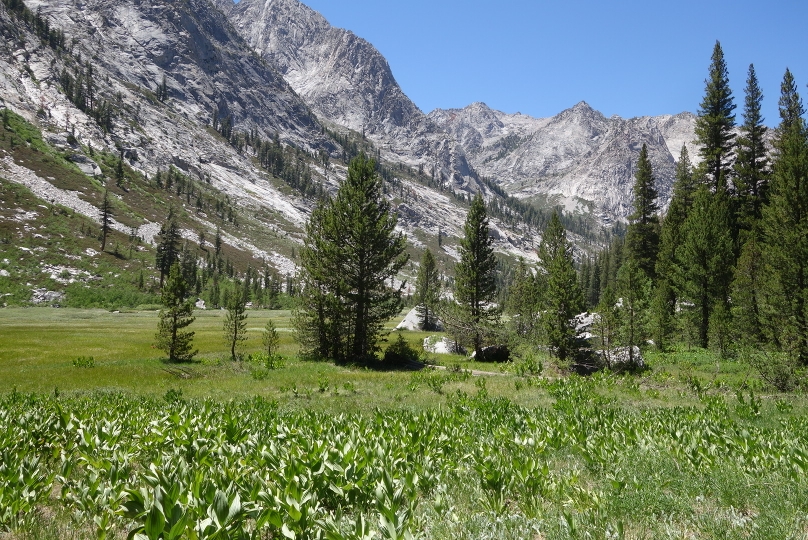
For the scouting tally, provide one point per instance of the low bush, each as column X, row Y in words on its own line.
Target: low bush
column 84, row 362
column 400, row 353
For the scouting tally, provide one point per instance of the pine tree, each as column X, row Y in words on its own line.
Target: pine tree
column 748, row 292
column 524, row 302
column 106, row 219
column 119, row 175
column 642, row 238
column 270, row 339
column 661, row 314
column 633, row 287
column 669, row 281
column 350, row 258
column 321, row 319
column 704, row 256
column 235, row 321
column 790, row 105
column 475, row 279
column 217, row 242
column 715, row 122
column 785, row 225
column 752, row 164
column 177, row 314
column 427, row 288
column 168, row 246
column 562, row 296
column 606, row 323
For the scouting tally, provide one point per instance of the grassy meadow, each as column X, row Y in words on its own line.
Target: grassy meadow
column 693, row 447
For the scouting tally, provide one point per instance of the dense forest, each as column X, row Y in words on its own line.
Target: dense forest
column 726, row 266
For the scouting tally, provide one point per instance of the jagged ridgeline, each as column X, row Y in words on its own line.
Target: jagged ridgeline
column 175, row 106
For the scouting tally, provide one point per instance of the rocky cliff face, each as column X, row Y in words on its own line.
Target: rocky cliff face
column 347, row 82
column 207, row 65
column 132, row 45
column 578, row 157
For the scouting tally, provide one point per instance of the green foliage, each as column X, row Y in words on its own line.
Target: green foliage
column 752, row 163
column 270, row 339
column 703, row 272
column 107, row 296
column 475, row 291
column 235, row 322
column 634, row 288
column 661, row 315
column 168, row 246
column 84, row 362
column 785, row 227
column 176, row 315
column 427, row 295
column 173, row 395
column 270, row 362
column 715, row 122
column 106, row 219
column 749, row 294
column 642, row 237
column 562, row 297
column 527, row 362
column 671, row 235
column 400, row 353
column 350, row 256
column 524, row 302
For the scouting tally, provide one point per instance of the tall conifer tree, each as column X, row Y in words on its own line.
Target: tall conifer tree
column 562, row 296
column 475, row 278
column 633, row 286
column 350, row 259
column 715, row 122
column 752, row 163
column 642, row 239
column 704, row 257
column 785, row 224
column 427, row 291
column 106, row 219
column 524, row 301
column 168, row 246
column 176, row 315
column 669, row 279
column 235, row 321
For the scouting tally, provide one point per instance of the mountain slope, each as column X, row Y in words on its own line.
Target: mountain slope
column 347, row 82
column 578, row 157
column 171, row 145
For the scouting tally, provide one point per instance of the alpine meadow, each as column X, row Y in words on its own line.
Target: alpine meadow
column 249, row 290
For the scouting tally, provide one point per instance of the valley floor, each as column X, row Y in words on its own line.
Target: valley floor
column 95, row 429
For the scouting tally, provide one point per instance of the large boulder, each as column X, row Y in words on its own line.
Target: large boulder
column 494, row 353
column 44, row 296
column 412, row 321
column 441, row 345
column 619, row 358
column 86, row 165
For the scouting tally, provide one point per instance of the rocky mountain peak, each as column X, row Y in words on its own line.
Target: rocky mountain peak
column 348, row 84
column 578, row 158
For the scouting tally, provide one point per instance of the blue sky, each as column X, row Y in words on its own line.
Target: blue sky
column 539, row 57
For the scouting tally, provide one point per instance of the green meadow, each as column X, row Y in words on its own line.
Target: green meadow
column 101, row 438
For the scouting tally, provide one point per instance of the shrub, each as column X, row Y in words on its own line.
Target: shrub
column 400, row 353
column 269, row 362
column 173, row 395
column 84, row 362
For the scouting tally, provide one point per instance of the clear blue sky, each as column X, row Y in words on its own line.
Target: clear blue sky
column 539, row 57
